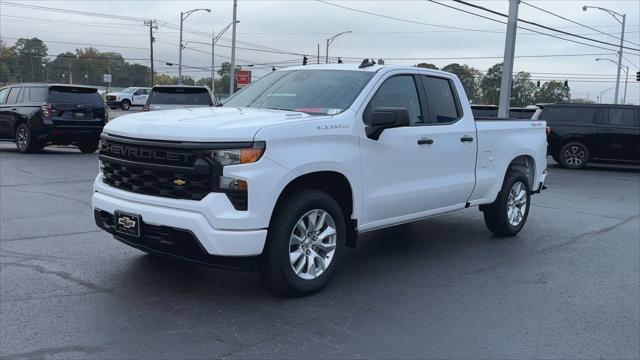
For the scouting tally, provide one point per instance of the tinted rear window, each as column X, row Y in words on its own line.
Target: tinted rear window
column 484, row 112
column 37, row 94
column 180, row 96
column 568, row 114
column 74, row 95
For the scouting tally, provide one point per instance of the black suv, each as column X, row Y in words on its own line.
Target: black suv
column 580, row 133
column 36, row 115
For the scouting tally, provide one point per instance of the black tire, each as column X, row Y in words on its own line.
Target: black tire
column 497, row 215
column 24, row 142
column 275, row 265
column 88, row 146
column 574, row 155
column 125, row 105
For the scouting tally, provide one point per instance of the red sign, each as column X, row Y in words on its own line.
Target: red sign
column 243, row 78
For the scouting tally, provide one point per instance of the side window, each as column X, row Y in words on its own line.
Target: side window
column 441, row 100
column 22, row 98
column 398, row 92
column 621, row 117
column 583, row 115
column 137, row 92
column 3, row 95
column 37, row 94
column 12, row 98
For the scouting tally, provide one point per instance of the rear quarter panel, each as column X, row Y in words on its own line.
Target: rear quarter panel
column 499, row 142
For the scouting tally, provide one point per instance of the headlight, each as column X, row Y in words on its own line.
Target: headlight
column 239, row 156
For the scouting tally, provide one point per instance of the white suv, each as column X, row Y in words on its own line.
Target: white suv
column 287, row 173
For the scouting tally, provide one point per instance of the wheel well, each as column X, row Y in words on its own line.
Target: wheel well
column 337, row 186
column 525, row 164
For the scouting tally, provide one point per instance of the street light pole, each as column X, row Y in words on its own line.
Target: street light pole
column 329, row 41
column 232, row 72
column 214, row 40
column 602, row 93
column 626, row 81
column 183, row 17
column 615, row 16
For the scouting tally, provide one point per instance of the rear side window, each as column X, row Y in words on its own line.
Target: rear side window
column 74, row 95
column 576, row 114
column 36, row 94
column 3, row 94
column 13, row 95
column 180, row 96
column 398, row 92
column 621, row 117
column 484, row 112
column 521, row 113
column 441, row 100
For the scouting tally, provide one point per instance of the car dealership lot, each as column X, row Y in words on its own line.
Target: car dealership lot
column 566, row 287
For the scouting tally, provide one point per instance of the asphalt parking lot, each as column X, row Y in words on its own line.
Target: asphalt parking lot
column 567, row 287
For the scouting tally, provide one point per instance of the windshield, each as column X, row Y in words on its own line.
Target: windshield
column 324, row 92
column 180, row 96
column 128, row 90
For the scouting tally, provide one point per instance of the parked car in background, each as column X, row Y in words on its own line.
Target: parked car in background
column 125, row 99
column 288, row 171
column 580, row 133
column 36, row 115
column 491, row 111
column 168, row 97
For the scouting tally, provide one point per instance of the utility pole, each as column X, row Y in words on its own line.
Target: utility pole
column 232, row 72
column 152, row 25
column 180, row 50
column 213, row 54
column 624, row 17
column 318, row 54
column 507, row 63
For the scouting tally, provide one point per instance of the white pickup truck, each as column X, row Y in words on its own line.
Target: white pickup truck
column 125, row 99
column 287, row 173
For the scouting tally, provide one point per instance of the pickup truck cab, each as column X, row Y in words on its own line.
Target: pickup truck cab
column 125, row 99
column 286, row 174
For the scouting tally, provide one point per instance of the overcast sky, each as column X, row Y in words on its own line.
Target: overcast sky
column 299, row 25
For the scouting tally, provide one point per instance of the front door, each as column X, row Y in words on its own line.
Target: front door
column 420, row 169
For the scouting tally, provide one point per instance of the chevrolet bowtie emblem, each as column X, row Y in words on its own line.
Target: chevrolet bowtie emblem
column 126, row 222
column 179, row 182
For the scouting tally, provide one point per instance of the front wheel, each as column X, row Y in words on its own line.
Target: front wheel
column 125, row 105
column 305, row 243
column 507, row 215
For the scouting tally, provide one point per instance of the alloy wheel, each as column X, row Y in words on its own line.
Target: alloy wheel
column 574, row 155
column 517, row 203
column 22, row 138
column 312, row 244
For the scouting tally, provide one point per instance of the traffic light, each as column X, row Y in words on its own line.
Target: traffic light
column 339, row 61
column 304, row 60
column 638, row 76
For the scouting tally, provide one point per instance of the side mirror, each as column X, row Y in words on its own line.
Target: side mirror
column 385, row 118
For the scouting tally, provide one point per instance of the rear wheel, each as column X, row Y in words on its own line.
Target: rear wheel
column 574, row 155
column 125, row 105
column 88, row 146
column 24, row 142
column 507, row 215
column 305, row 243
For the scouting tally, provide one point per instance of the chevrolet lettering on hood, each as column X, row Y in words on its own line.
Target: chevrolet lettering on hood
column 138, row 153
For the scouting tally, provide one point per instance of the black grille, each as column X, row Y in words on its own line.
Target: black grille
column 166, row 183
column 111, row 98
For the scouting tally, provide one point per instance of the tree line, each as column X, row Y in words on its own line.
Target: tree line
column 28, row 61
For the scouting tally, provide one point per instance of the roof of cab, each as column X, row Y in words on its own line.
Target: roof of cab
column 356, row 67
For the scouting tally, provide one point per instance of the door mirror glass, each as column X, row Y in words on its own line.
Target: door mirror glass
column 382, row 118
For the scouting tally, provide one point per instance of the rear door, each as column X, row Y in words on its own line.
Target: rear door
column 619, row 134
column 78, row 106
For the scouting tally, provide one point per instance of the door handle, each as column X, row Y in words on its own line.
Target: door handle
column 425, row 141
column 466, row 138
column 606, row 129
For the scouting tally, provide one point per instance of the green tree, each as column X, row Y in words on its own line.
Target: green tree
column 470, row 79
column 553, row 92
column 225, row 69
column 164, row 79
column 7, row 63
column 523, row 90
column 31, row 58
column 426, row 66
column 490, row 85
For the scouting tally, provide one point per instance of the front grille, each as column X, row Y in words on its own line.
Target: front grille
column 157, row 169
column 111, row 98
column 165, row 183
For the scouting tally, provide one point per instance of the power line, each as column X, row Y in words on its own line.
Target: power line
column 575, row 22
column 83, row 44
column 542, row 26
column 76, row 12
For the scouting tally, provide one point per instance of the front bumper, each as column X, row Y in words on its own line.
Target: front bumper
column 214, row 241
column 113, row 103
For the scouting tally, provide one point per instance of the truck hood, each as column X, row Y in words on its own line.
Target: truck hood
column 117, row 94
column 205, row 124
